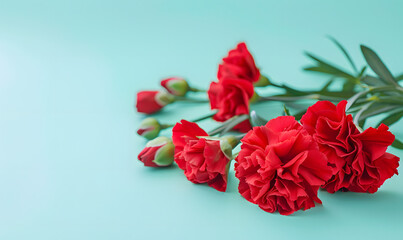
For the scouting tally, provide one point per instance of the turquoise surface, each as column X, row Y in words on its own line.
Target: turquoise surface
column 69, row 71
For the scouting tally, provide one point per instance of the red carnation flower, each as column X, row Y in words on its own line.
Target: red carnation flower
column 358, row 160
column 280, row 167
column 203, row 159
column 152, row 101
column 239, row 64
column 231, row 97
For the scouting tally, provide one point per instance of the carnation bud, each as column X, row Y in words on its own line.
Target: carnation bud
column 158, row 152
column 176, row 86
column 164, row 98
column 262, row 82
column 149, row 128
column 152, row 101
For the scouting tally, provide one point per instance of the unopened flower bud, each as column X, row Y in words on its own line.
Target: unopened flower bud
column 158, row 152
column 149, row 128
column 152, row 101
column 176, row 86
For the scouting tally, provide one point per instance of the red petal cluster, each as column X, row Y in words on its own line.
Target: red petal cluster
column 231, row 97
column 232, row 93
column 201, row 159
column 358, row 160
column 280, row 167
column 239, row 64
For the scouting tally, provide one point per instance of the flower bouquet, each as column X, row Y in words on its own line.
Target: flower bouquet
column 284, row 161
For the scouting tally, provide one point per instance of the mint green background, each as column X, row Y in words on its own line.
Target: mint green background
column 69, row 71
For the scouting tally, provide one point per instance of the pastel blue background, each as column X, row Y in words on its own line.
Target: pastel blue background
column 69, row 71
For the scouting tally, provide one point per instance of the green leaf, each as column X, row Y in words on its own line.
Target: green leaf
column 378, row 109
column 361, row 123
column 257, row 120
column 348, row 86
column 399, row 77
column 299, row 115
column 344, row 52
column 354, row 98
column 377, row 65
column 292, row 91
column 330, row 71
column 397, row 100
column 362, row 71
column 341, row 94
column 221, row 127
column 328, row 68
column 286, row 111
column 235, row 121
column 392, row 118
column 357, row 117
column 327, row 85
column 397, row 144
column 372, row 81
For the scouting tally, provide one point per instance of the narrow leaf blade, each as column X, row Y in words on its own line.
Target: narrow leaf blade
column 286, row 111
column 372, row 81
column 397, row 144
column 257, row 120
column 392, row 118
column 377, row 65
column 344, row 52
column 399, row 77
column 326, row 67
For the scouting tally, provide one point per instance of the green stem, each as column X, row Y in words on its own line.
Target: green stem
column 287, row 88
column 216, row 130
column 387, row 100
column 314, row 96
column 204, row 117
column 359, row 113
column 240, row 136
column 228, row 124
column 235, row 121
column 191, row 100
column 165, row 126
column 192, row 89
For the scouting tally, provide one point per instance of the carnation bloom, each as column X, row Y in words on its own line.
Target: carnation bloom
column 358, row 160
column 152, row 101
column 157, row 153
column 239, row 64
column 204, row 159
column 280, row 167
column 231, row 97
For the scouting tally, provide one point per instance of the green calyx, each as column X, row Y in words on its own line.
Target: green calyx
column 178, row 87
column 164, row 98
column 227, row 143
column 149, row 128
column 262, row 82
column 255, row 98
column 165, row 154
